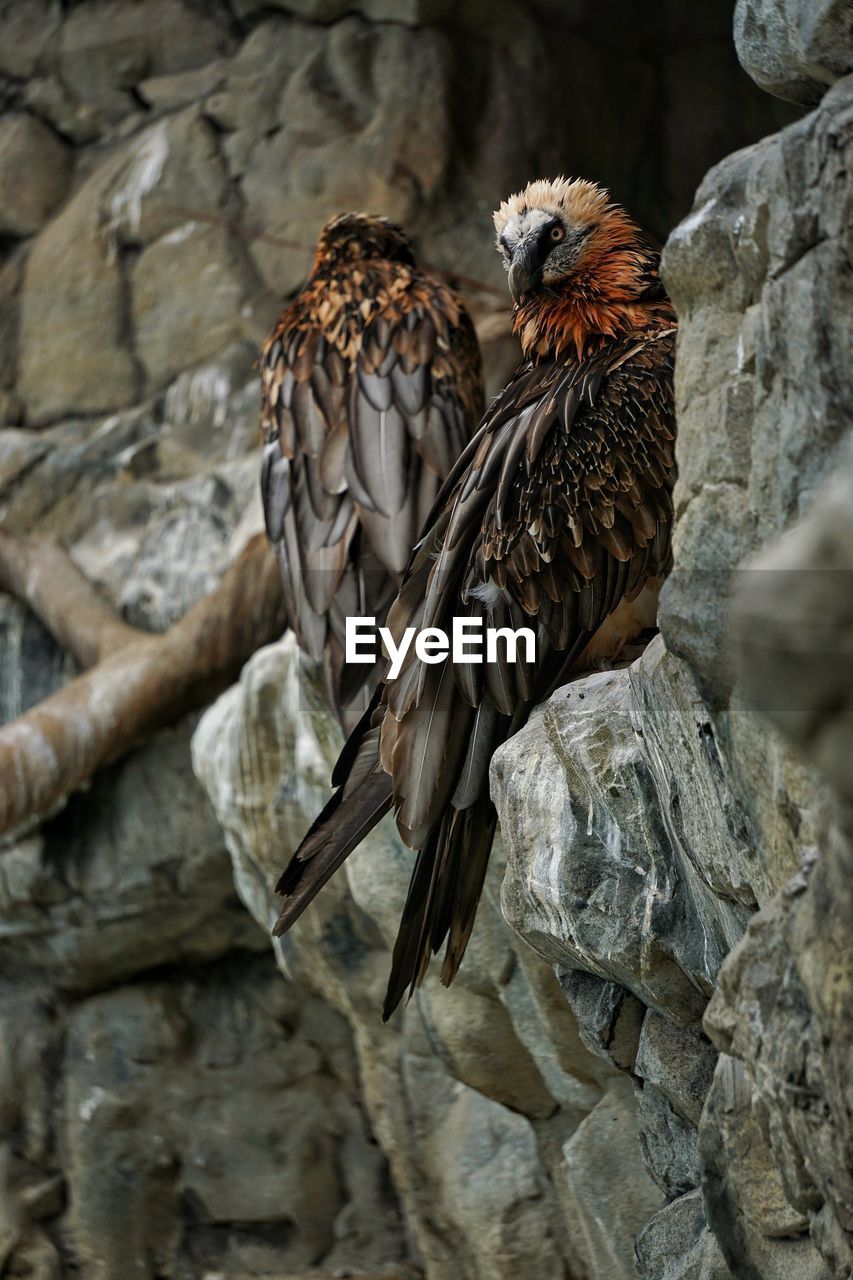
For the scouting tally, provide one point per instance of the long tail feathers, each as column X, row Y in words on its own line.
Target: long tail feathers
column 443, row 895
column 332, row 837
column 446, row 882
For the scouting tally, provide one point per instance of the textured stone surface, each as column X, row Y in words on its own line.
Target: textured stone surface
column 35, row 169
column 270, row 124
column 25, row 32
column 759, row 274
column 612, row 1196
column 783, row 1014
column 106, row 47
column 267, row 1168
column 793, row 628
column 480, row 1094
column 168, row 1106
column 795, row 49
column 642, row 813
column 606, row 871
column 676, row 1244
column 74, row 352
column 253, row 1145
column 188, row 294
column 90, row 916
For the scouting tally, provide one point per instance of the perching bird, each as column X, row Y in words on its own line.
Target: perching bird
column 557, row 516
column 371, row 387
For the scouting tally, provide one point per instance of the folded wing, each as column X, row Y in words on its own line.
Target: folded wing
column 357, row 444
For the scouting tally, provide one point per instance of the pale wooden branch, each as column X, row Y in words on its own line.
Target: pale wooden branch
column 42, row 575
column 138, row 683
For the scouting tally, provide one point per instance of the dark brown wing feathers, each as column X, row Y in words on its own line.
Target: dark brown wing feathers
column 371, row 384
column 557, row 511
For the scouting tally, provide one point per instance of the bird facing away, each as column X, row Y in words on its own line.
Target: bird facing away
column 556, row 516
column 370, row 388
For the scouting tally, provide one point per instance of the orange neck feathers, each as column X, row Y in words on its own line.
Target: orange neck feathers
column 614, row 290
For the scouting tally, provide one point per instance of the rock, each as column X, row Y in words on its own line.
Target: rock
column 107, row 47
column 441, row 1080
column 669, row 1143
column 674, row 1067
column 161, row 179
column 766, row 241
column 759, row 1232
column 484, row 1164
column 611, row 1196
column 794, row 50
column 35, row 169
column 609, row 1017
column 26, row 31
column 678, row 1062
column 464, row 1033
column 676, row 1244
column 159, row 1110
column 51, row 100
column 11, row 274
column 783, row 1016
column 69, row 905
column 258, row 74
column 611, row 880
column 188, row 291
column 74, row 355
column 164, row 93
column 172, row 543
column 411, row 12
column 211, row 413
column 32, row 666
column 792, row 624
column 146, row 190
column 759, row 277
column 352, row 132
column 54, row 476
column 19, row 453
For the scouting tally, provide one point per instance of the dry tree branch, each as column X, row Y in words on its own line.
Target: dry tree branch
column 138, row 683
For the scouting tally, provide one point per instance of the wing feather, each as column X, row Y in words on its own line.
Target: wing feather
column 371, row 384
column 556, row 510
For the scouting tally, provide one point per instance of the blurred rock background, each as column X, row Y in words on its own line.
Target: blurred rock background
column 170, row 1106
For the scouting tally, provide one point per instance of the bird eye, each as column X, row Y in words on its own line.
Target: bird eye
column 557, row 233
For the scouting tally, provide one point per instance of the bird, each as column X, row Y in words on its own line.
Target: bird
column 371, row 385
column 558, row 515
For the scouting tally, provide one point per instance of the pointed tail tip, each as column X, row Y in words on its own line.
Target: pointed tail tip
column 287, row 916
column 393, row 996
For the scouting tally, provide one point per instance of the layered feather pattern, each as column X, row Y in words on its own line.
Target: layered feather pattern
column 557, row 517
column 371, row 385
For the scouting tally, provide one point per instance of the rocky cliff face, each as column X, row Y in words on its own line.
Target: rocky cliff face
column 171, row 1104
column 648, row 812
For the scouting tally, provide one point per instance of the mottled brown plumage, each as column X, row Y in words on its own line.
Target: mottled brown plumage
column 556, row 516
column 371, row 386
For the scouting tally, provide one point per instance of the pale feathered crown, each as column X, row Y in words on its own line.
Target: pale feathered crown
column 577, row 199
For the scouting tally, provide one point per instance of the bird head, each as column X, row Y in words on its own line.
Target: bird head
column 577, row 265
column 356, row 236
column 554, row 231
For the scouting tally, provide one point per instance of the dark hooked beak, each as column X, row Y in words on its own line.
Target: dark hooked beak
column 524, row 269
